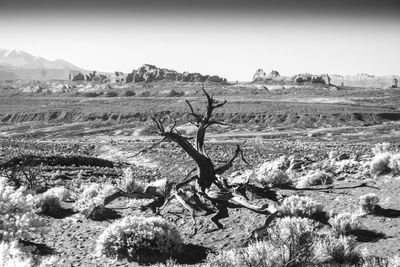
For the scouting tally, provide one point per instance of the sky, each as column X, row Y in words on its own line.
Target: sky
column 228, row 38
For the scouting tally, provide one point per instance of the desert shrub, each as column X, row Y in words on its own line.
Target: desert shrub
column 298, row 206
column 107, row 190
column 14, row 254
column 174, row 93
column 92, row 208
column 260, row 253
column 3, row 181
column 61, row 192
column 380, row 164
column 294, row 238
column 385, row 147
column 90, row 191
column 130, row 184
column 145, row 93
column 394, row 261
column 394, row 163
column 226, row 258
column 344, row 223
column 27, row 173
column 18, row 218
column 315, row 178
column 111, row 94
column 369, row 203
column 11, row 255
column 137, row 237
column 91, row 200
column 91, row 94
column 347, row 165
column 289, row 243
column 48, row 204
column 341, row 250
column 273, row 173
column 129, row 93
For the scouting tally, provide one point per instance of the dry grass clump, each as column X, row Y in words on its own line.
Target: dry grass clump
column 130, row 184
column 274, row 173
column 341, row 250
column 91, row 200
column 90, row 191
column 369, row 203
column 297, row 206
column 139, row 238
column 315, row 178
column 344, row 223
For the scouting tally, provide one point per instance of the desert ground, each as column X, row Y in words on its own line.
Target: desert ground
column 75, row 139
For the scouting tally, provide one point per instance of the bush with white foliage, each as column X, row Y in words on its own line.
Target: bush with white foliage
column 344, row 223
column 130, row 184
column 18, row 218
column 298, row 206
column 380, row 164
column 383, row 148
column 137, row 237
column 62, row 193
column 12, row 255
column 394, row 163
column 315, row 178
column 91, row 201
column 274, row 173
column 289, row 243
column 342, row 250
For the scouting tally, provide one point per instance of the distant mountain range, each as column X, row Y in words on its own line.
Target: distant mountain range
column 16, row 64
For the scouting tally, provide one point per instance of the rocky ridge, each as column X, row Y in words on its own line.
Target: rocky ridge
column 146, row 73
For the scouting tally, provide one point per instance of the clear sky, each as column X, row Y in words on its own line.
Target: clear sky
column 227, row 38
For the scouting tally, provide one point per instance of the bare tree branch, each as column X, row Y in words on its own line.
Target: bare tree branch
column 221, row 169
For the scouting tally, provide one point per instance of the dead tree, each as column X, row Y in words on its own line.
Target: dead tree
column 207, row 179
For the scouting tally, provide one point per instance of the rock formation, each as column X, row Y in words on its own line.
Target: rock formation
column 307, row 77
column 395, row 82
column 146, row 73
column 260, row 75
column 118, row 77
column 78, row 76
column 149, row 73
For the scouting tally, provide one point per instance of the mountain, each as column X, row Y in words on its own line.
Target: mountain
column 16, row 64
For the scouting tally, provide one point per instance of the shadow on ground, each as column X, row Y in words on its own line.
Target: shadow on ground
column 105, row 214
column 193, row 254
column 60, row 213
column 390, row 213
column 40, row 249
column 190, row 254
column 365, row 235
